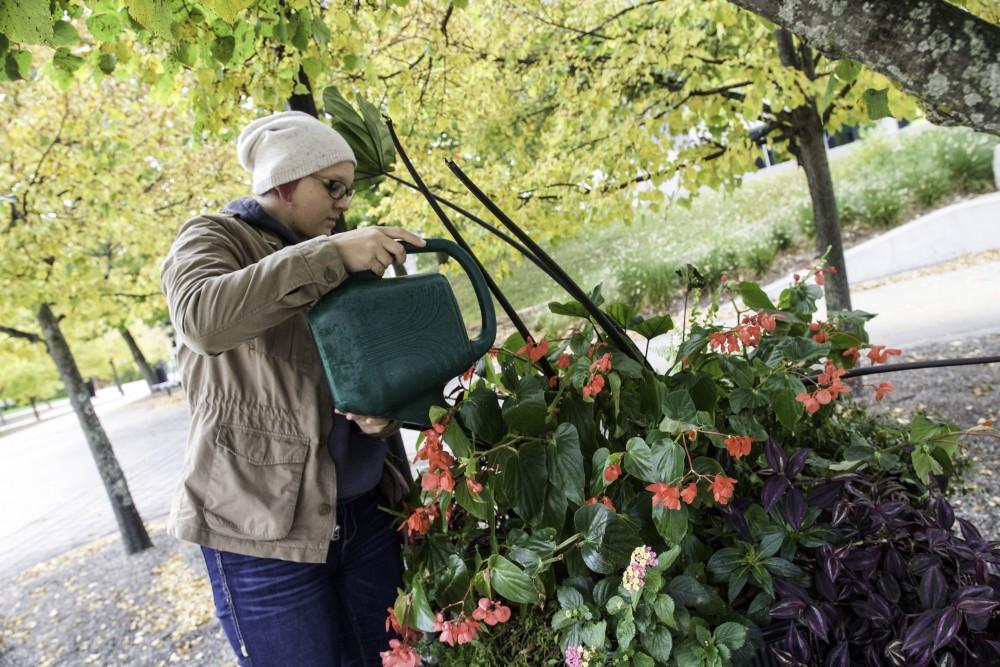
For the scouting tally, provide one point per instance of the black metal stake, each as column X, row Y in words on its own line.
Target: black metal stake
column 494, row 288
column 623, row 342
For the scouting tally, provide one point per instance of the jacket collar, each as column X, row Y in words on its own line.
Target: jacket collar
column 251, row 212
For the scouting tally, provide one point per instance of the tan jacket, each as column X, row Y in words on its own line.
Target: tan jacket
column 257, row 478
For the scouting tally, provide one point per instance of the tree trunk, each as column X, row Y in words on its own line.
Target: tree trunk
column 118, row 380
column 130, row 523
column 139, row 357
column 34, row 408
column 808, row 144
column 931, row 48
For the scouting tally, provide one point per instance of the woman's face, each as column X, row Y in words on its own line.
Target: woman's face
column 314, row 211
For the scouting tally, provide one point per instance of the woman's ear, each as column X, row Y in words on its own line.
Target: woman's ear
column 285, row 191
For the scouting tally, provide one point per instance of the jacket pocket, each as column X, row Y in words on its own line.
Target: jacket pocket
column 254, row 482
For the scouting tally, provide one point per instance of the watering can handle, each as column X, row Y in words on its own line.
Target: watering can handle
column 487, row 335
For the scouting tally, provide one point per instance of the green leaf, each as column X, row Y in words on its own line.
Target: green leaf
column 668, row 558
column 688, row 591
column 663, row 607
column 672, row 525
column 154, row 15
column 782, row 389
column 320, row 31
column 608, row 539
column 526, row 411
column 479, row 506
column 569, row 308
column 668, row 460
column 640, row 659
column 228, row 10
column 616, row 605
column 622, row 313
column 480, row 414
column 524, row 476
column 678, row 405
column 107, row 63
column 421, row 616
column 530, row 549
column 924, row 464
column 654, row 326
column 510, row 581
column 565, row 463
column 732, row 635
column 222, row 48
column 877, row 103
column 64, row 34
column 456, row 582
column 569, row 597
column 625, row 632
column 456, row 439
column 659, row 644
column 754, row 297
column 562, row 619
column 63, row 59
column 594, row 634
column 724, row 561
column 746, row 424
column 737, row 370
column 554, row 508
column 26, row 21
column 638, row 461
column 847, row 70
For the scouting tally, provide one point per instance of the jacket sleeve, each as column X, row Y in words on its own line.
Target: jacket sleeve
column 216, row 303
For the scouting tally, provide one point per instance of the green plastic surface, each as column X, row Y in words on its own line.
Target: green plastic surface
column 389, row 345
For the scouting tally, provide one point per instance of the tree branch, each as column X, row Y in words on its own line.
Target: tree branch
column 24, row 335
column 931, row 48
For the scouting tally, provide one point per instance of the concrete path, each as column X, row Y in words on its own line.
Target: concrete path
column 51, row 494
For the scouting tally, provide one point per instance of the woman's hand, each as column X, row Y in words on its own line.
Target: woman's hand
column 368, row 425
column 374, row 248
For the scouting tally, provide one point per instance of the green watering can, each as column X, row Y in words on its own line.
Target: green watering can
column 389, row 346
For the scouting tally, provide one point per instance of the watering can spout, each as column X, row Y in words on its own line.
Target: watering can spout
column 389, row 346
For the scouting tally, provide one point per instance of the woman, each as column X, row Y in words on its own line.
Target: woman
column 281, row 492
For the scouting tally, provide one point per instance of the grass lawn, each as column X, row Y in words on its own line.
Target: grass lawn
column 880, row 182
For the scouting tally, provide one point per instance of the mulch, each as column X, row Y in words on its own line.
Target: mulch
column 97, row 606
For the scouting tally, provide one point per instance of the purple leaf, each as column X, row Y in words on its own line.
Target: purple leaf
column 864, row 559
column 795, row 508
column 825, row 586
column 775, row 455
column 893, row 564
column 946, row 627
column 829, row 562
column 824, row 495
column 888, row 586
column 796, row 463
column 932, row 589
column 936, row 536
column 785, row 658
column 739, row 524
column 815, row 620
column 840, row 512
column 973, row 592
column 970, row 533
column 920, row 634
column 977, row 606
column 773, row 489
column 788, row 589
column 840, row 656
column 945, row 515
column 788, row 610
column 797, row 644
column 874, row 608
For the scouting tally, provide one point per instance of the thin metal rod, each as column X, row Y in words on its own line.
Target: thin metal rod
column 482, row 223
column 623, row 342
column 916, row 365
column 494, row 288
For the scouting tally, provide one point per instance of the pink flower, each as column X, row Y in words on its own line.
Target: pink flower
column 491, row 612
column 399, row 655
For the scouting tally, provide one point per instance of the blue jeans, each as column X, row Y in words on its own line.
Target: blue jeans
column 278, row 613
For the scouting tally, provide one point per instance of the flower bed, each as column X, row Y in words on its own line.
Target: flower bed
column 672, row 518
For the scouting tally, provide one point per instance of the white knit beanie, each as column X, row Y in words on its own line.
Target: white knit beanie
column 289, row 145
